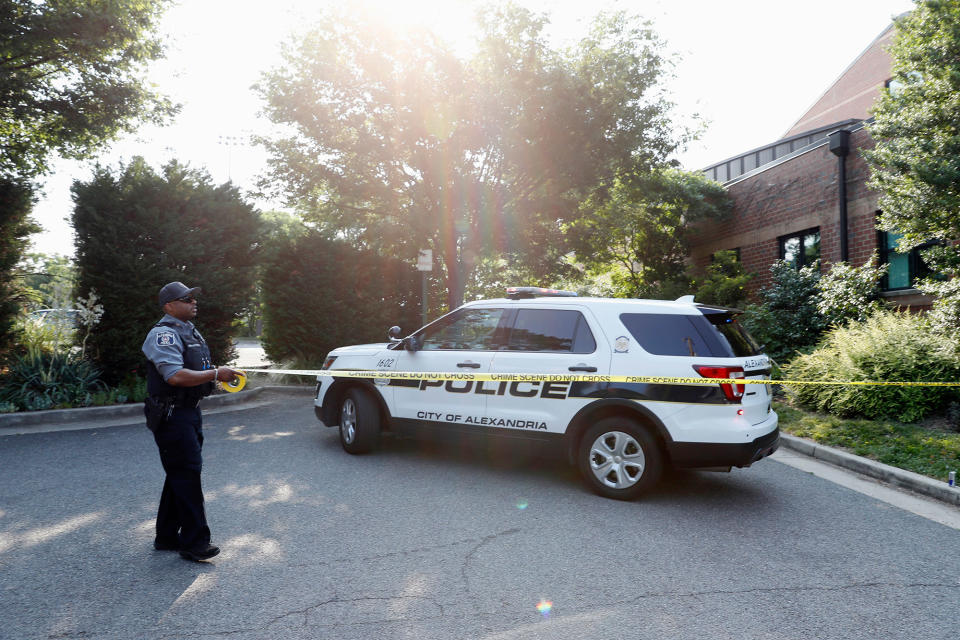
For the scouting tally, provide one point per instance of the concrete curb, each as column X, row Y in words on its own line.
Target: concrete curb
column 63, row 416
column 873, row 469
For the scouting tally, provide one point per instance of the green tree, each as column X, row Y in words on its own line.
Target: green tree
column 71, row 77
column 278, row 230
column 725, row 282
column 916, row 162
column 50, row 279
column 398, row 145
column 136, row 230
column 16, row 202
column 637, row 233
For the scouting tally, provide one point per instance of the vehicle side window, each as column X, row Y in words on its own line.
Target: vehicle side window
column 470, row 329
column 669, row 335
column 554, row 330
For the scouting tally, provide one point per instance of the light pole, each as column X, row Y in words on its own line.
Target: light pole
column 229, row 142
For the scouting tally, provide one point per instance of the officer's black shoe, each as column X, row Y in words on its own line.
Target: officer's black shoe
column 164, row 545
column 200, row 554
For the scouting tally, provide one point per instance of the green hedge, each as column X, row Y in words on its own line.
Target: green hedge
column 138, row 229
column 887, row 346
column 321, row 294
column 16, row 203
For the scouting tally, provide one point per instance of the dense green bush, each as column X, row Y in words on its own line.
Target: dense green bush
column 887, row 347
column 41, row 380
column 133, row 388
column 848, row 293
column 787, row 319
column 801, row 304
column 138, row 229
column 724, row 282
column 34, row 335
column 320, row 294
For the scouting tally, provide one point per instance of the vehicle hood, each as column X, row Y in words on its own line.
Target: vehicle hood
column 360, row 349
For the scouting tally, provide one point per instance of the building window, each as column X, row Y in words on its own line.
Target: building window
column 736, row 168
column 801, row 249
column 904, row 268
column 896, row 85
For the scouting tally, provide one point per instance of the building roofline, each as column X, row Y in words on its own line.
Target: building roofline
column 799, row 152
column 844, row 72
column 802, row 134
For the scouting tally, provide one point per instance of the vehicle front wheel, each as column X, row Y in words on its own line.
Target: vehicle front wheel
column 618, row 458
column 359, row 422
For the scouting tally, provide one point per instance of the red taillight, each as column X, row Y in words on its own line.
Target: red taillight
column 734, row 392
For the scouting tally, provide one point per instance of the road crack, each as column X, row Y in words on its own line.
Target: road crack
column 465, row 566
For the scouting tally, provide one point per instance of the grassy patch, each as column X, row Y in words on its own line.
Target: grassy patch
column 922, row 449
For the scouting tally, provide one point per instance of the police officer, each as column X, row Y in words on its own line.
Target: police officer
column 179, row 374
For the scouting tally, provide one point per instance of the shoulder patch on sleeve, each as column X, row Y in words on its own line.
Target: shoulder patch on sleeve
column 165, row 339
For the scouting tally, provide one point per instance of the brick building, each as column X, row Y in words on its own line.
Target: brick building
column 804, row 197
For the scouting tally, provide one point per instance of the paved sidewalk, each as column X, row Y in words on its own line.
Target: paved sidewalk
column 249, row 354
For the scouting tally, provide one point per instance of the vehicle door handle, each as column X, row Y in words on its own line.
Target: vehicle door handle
column 582, row 367
column 468, row 364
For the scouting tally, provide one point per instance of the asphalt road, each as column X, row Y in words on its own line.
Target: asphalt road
column 429, row 540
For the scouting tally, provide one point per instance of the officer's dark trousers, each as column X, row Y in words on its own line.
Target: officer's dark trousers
column 181, row 518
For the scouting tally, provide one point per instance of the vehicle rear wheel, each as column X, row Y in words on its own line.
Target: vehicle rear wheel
column 618, row 458
column 359, row 421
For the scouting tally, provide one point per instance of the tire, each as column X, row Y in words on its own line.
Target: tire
column 619, row 459
column 359, row 422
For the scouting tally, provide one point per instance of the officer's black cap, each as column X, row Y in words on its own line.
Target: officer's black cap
column 174, row 290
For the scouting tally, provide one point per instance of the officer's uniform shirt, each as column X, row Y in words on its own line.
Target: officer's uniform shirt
column 164, row 347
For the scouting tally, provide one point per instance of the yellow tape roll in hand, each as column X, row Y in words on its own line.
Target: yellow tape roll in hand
column 236, row 384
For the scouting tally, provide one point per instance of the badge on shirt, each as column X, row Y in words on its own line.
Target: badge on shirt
column 165, row 339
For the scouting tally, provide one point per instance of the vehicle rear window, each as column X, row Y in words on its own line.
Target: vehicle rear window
column 716, row 335
column 551, row 330
column 732, row 335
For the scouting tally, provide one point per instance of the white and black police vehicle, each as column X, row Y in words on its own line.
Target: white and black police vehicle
column 619, row 434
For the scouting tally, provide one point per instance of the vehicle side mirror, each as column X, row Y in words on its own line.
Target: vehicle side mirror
column 410, row 343
column 394, row 333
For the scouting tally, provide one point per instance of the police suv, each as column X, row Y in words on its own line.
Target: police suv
column 619, row 433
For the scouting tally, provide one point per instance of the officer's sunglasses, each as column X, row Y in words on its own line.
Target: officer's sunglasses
column 187, row 299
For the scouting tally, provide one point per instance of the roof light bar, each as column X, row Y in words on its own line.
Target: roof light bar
column 515, row 293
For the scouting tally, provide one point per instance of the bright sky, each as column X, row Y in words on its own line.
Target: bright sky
column 749, row 67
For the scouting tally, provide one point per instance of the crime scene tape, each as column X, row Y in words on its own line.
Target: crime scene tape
column 563, row 377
